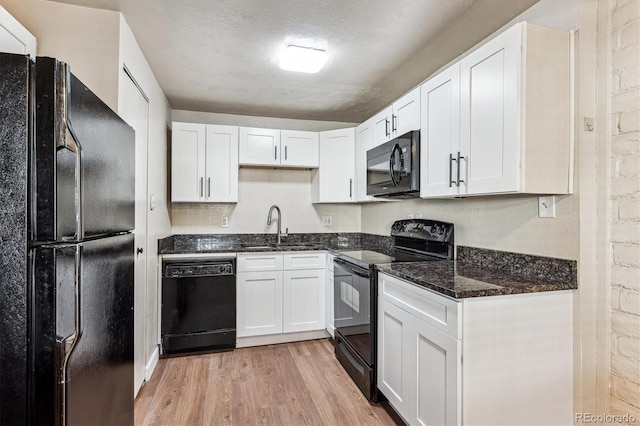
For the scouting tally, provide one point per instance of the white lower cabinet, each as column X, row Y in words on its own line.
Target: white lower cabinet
column 280, row 293
column 259, row 303
column 304, row 300
column 514, row 365
column 329, row 296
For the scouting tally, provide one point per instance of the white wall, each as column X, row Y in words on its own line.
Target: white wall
column 260, row 188
column 624, row 204
column 508, row 223
column 158, row 223
column 86, row 39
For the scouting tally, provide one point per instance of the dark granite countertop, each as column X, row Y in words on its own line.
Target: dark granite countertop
column 470, row 276
column 256, row 243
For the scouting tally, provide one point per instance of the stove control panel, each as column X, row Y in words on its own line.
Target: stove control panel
column 424, row 229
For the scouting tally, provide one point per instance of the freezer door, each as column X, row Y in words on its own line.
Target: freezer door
column 84, row 168
column 92, row 335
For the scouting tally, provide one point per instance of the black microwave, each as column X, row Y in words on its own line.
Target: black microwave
column 393, row 168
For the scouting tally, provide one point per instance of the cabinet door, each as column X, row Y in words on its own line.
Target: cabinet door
column 187, row 162
column 333, row 183
column 434, row 375
column 259, row 146
column 395, row 359
column 490, row 115
column 364, row 142
column 299, row 149
column 259, row 303
column 328, row 308
column 440, row 133
column 304, row 297
column 14, row 38
column 406, row 113
column 221, row 165
column 382, row 126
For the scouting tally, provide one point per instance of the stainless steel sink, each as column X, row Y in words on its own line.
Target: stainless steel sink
column 279, row 246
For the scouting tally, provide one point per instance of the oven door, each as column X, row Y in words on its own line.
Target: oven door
column 352, row 307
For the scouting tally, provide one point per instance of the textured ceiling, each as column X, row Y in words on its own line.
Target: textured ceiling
column 222, row 55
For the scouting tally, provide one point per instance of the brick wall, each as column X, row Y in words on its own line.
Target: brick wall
column 625, row 207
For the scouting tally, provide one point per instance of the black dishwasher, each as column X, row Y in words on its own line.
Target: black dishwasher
column 198, row 305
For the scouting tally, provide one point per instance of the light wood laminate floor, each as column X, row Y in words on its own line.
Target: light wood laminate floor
column 289, row 384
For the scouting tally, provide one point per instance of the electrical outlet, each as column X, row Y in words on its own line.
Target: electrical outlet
column 327, row 220
column 547, row 206
column 410, row 216
column 224, row 222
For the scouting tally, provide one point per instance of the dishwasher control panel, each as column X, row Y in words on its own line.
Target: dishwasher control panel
column 198, row 269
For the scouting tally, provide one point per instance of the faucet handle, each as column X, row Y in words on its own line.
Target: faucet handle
column 285, row 233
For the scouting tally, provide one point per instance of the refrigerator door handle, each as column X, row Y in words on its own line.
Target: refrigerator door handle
column 67, row 140
column 67, row 344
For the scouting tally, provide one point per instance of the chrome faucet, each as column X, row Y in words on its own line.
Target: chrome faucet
column 279, row 220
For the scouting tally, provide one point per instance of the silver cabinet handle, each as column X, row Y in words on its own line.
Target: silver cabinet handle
column 459, row 167
column 275, row 155
column 67, row 140
column 451, row 160
column 386, row 127
column 350, row 188
column 201, row 186
column 208, row 187
column 394, row 123
column 285, row 152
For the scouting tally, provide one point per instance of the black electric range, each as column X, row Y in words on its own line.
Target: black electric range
column 356, row 289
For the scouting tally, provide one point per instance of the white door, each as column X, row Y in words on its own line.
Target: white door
column 337, row 164
column 382, row 126
column 304, row 297
column 440, row 133
column 394, row 356
column 259, row 303
column 490, row 114
column 434, row 376
column 406, row 113
column 221, row 164
column 364, row 142
column 14, row 38
column 187, row 162
column 259, row 146
column 135, row 111
column 299, row 149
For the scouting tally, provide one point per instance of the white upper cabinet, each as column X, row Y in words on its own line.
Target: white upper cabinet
column 259, row 146
column 284, row 148
column 204, row 163
column 499, row 120
column 381, row 124
column 399, row 118
column 14, row 38
column 364, row 142
column 489, row 103
column 299, row 149
column 221, row 164
column 440, row 133
column 333, row 181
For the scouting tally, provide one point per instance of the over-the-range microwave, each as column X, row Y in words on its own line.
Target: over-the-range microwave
column 393, row 168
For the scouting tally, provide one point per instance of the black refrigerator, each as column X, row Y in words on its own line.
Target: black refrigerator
column 66, row 250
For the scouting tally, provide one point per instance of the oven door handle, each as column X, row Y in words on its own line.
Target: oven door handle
column 351, row 268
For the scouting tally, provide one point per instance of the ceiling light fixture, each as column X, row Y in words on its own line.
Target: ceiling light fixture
column 302, row 59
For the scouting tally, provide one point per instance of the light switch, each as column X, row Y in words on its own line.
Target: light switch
column 547, row 206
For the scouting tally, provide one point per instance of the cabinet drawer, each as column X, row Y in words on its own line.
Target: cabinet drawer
column 305, row 260
column 438, row 311
column 259, row 262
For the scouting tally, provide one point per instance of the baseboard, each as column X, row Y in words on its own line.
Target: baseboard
column 273, row 339
column 151, row 364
